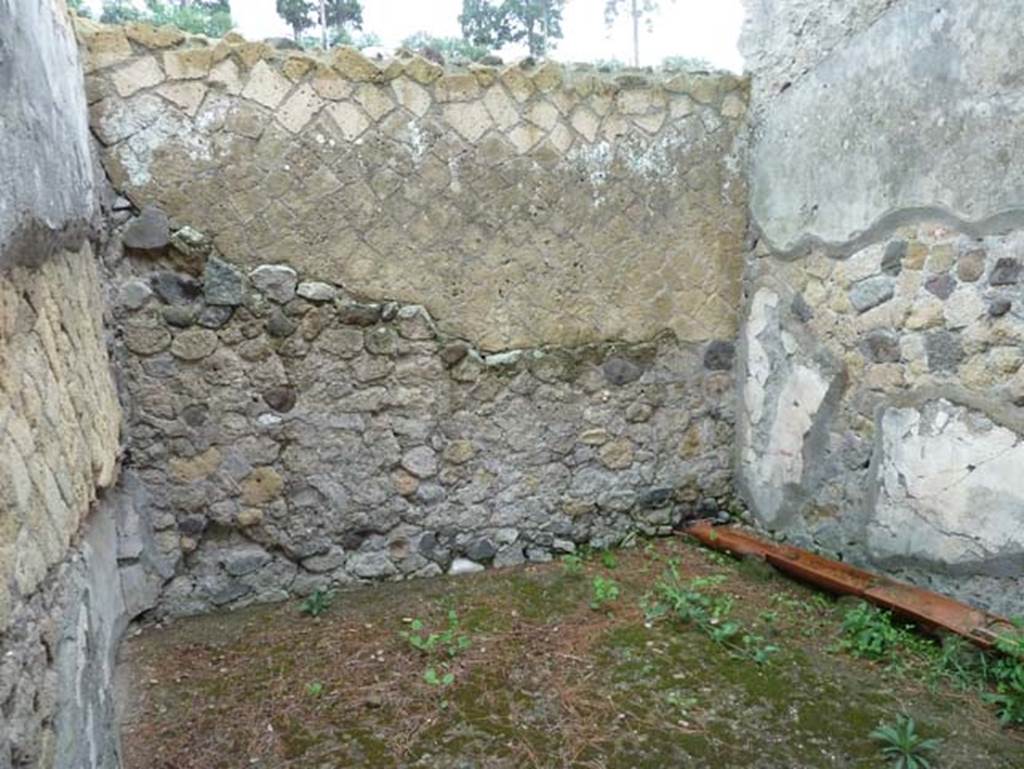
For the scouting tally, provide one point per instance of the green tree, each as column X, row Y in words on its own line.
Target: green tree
column 119, row 12
column 298, row 14
column 494, row 23
column 639, row 11
column 342, row 16
column 200, row 17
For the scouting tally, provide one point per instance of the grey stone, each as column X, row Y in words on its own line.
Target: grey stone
column 174, row 288
column 230, row 594
column 357, row 314
column 971, row 266
column 222, row 284
column 280, row 325
column 180, row 315
column 944, row 350
column 719, row 356
column 619, row 371
column 281, row 399
column 871, row 292
column 420, row 461
column 317, row 292
column 192, row 525
column 332, row 560
column 892, row 259
column 941, row 286
column 277, row 282
column 464, row 566
column 215, row 317
column 481, row 550
column 511, row 555
column 134, row 294
column 655, row 498
column 883, row 347
column 148, row 232
column 1006, row 272
column 381, row 341
column 239, row 562
column 372, row 565
column 999, row 306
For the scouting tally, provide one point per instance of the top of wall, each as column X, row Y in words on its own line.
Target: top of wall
column 45, row 146
column 523, row 205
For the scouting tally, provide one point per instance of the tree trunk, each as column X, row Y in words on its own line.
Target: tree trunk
column 636, row 33
column 323, row 23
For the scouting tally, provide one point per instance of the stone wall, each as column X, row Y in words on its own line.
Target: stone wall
column 384, row 319
column 881, row 380
column 521, row 205
column 74, row 565
column 292, row 436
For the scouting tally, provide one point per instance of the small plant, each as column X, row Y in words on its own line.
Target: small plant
column 432, row 677
column 450, row 641
column 903, row 746
column 1008, row 675
column 608, row 559
column 604, row 591
column 315, row 689
column 317, row 603
column 572, row 565
column 687, row 602
column 869, row 633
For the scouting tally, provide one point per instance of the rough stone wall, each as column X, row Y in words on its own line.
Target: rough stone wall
column 382, row 319
column 521, row 205
column 881, row 354
column 73, row 560
column 293, row 437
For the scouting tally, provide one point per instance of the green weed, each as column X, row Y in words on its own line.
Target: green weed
column 903, row 746
column 317, row 603
column 603, row 591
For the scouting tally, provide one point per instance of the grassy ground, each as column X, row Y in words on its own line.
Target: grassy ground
column 546, row 680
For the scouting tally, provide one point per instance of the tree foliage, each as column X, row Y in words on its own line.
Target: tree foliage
column 344, row 15
column 494, row 23
column 297, row 14
column 200, row 17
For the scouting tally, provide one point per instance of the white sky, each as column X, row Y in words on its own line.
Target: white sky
column 706, row 29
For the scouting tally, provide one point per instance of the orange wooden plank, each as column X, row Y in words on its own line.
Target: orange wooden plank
column 931, row 610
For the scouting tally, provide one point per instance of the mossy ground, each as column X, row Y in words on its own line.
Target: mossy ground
column 546, row 682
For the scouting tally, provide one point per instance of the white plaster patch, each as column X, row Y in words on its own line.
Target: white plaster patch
column 758, row 362
column 952, row 490
column 782, row 461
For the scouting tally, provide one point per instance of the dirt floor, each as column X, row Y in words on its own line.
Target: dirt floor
column 554, row 672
